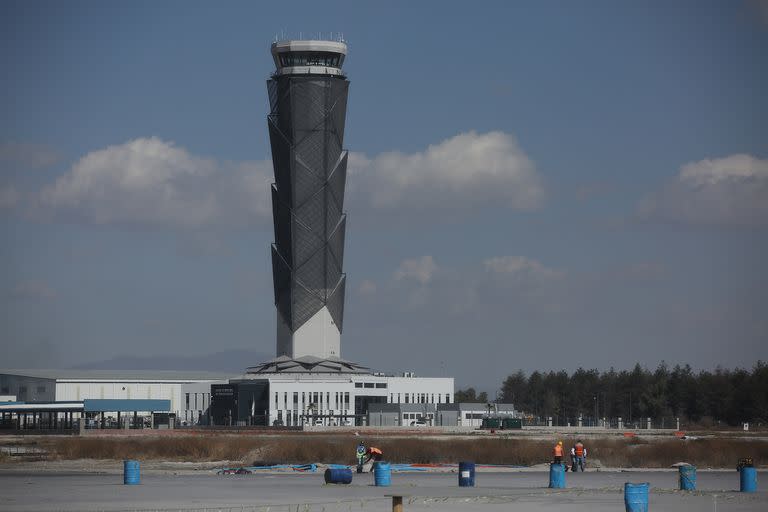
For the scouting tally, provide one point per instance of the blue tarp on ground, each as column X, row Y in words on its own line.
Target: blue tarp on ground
column 126, row 405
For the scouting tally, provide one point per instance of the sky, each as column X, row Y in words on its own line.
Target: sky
column 532, row 185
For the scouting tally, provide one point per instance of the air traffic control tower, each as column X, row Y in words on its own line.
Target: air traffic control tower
column 308, row 102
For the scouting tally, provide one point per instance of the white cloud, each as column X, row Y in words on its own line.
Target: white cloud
column 150, row 181
column 731, row 191
column 519, row 267
column 33, row 290
column 367, row 287
column 154, row 182
column 9, row 197
column 487, row 285
column 27, row 155
column 465, row 170
column 420, row 269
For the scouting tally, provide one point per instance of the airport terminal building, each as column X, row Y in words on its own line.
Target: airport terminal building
column 308, row 382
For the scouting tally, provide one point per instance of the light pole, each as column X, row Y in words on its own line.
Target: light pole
column 595, row 399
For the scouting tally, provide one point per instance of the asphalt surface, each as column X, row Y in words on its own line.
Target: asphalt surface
column 307, row 492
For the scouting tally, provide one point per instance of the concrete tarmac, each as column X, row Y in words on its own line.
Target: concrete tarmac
column 307, row 492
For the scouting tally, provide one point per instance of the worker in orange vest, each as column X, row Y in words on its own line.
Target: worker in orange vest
column 557, row 452
column 581, row 454
column 374, row 454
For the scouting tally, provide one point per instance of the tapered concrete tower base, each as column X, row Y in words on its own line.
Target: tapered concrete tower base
column 318, row 337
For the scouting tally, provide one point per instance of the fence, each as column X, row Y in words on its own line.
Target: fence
column 665, row 422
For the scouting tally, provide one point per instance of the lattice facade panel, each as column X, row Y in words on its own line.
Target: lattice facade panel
column 336, row 302
column 306, row 130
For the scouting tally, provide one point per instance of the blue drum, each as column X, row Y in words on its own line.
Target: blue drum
column 636, row 497
column 687, row 478
column 556, row 475
column 382, row 474
column 131, row 472
column 466, row 474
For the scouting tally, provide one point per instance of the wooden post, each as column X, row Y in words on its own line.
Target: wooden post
column 397, row 504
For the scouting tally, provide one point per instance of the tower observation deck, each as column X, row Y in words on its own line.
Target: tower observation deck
column 308, row 102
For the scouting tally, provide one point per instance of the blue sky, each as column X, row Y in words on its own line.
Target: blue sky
column 532, row 184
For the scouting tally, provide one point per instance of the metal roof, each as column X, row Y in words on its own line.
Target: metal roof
column 308, row 364
column 40, row 406
column 114, row 375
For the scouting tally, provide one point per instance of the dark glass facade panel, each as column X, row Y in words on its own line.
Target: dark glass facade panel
column 306, row 130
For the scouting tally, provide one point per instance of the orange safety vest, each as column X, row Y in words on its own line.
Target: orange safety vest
column 579, row 449
column 558, row 451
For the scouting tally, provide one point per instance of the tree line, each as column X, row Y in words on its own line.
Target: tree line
column 722, row 395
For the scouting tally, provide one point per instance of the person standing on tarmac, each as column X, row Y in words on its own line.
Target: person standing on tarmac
column 581, row 453
column 557, row 453
column 360, row 452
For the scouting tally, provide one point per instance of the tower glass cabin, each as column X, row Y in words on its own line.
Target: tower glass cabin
column 308, row 102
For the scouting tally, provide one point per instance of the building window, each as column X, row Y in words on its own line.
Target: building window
column 381, row 385
column 285, row 400
column 368, row 385
column 447, row 398
column 406, row 399
column 358, row 384
column 4, row 390
column 433, row 398
column 295, row 400
column 187, row 401
column 398, row 398
column 346, row 400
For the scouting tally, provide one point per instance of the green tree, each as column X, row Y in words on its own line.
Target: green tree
column 469, row 395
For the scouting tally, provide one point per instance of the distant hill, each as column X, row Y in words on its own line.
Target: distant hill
column 225, row 361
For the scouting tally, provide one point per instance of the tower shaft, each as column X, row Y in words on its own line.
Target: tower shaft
column 308, row 99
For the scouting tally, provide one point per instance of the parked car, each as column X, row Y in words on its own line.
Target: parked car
column 419, row 423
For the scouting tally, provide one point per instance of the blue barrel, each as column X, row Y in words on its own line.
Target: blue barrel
column 748, row 480
column 687, row 478
column 382, row 474
column 131, row 473
column 466, row 474
column 636, row 497
column 338, row 476
column 557, row 475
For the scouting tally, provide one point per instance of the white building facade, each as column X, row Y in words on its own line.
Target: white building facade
column 335, row 401
column 188, row 392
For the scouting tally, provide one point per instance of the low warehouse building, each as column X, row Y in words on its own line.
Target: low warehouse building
column 189, row 393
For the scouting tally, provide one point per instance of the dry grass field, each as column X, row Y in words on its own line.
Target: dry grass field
column 339, row 448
